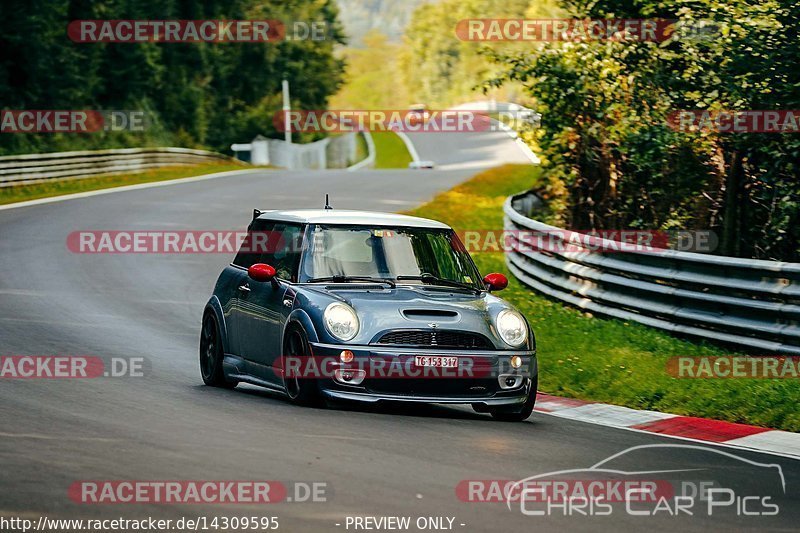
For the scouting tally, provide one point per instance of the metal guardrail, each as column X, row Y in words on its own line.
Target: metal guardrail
column 33, row 168
column 744, row 302
column 369, row 161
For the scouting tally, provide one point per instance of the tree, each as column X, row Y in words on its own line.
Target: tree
column 196, row 94
column 614, row 161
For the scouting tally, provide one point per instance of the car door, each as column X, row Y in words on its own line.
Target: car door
column 264, row 311
column 236, row 286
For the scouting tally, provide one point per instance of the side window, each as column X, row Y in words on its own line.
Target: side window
column 283, row 252
column 253, row 246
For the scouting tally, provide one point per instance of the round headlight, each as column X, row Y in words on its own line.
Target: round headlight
column 341, row 321
column 512, row 328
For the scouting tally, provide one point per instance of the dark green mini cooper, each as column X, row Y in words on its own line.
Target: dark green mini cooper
column 371, row 307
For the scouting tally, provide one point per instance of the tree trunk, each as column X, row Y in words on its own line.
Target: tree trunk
column 732, row 213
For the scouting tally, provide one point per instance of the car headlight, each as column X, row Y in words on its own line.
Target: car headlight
column 341, row 321
column 511, row 326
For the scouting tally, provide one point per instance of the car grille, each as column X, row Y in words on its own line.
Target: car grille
column 442, row 339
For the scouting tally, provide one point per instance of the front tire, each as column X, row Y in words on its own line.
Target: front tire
column 301, row 391
column 524, row 413
column 211, row 355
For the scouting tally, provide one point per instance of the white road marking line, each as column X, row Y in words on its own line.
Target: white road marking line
column 340, row 437
column 53, row 437
column 166, row 183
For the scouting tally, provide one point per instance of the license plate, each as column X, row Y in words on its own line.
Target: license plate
column 436, row 361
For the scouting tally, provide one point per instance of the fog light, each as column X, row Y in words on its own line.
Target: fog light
column 509, row 381
column 349, row 377
column 516, row 361
column 346, row 356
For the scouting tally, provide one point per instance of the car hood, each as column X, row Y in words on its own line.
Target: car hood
column 382, row 309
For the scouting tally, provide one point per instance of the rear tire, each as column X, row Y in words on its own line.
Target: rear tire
column 301, row 391
column 211, row 354
column 524, row 413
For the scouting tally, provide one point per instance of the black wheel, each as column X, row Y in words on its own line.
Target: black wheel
column 524, row 413
column 211, row 355
column 301, row 391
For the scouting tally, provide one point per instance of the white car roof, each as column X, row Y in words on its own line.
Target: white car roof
column 348, row 217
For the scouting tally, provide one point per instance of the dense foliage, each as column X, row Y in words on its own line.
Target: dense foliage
column 197, row 95
column 613, row 161
column 440, row 69
column 372, row 76
column 388, row 17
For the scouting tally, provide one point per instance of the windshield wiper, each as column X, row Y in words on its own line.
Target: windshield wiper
column 436, row 280
column 346, row 279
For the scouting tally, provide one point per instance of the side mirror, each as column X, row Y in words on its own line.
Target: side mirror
column 495, row 281
column 261, row 272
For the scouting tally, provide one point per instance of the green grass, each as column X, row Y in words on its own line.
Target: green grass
column 390, row 151
column 20, row 193
column 609, row 360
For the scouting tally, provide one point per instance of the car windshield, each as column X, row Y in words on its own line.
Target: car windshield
column 433, row 256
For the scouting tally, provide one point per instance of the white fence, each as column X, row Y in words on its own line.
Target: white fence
column 332, row 152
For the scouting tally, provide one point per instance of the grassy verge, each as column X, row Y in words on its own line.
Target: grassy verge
column 609, row 360
column 390, row 151
column 20, row 193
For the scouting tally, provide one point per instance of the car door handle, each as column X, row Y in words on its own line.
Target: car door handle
column 245, row 287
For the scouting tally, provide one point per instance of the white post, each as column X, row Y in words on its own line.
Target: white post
column 287, row 106
column 259, row 151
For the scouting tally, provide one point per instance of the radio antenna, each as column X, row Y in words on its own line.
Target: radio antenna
column 327, row 203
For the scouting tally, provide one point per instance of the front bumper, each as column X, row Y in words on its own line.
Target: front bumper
column 482, row 387
column 371, row 397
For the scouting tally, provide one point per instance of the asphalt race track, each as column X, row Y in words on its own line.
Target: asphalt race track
column 387, row 461
column 467, row 150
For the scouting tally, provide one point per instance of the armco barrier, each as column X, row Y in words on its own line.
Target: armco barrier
column 369, row 161
column 32, row 168
column 745, row 302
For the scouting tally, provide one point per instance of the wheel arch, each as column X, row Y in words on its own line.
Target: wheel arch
column 301, row 319
column 215, row 308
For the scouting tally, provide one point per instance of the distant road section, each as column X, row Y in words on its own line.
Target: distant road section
column 469, row 150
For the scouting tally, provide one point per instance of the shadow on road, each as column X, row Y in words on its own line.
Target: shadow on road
column 420, row 410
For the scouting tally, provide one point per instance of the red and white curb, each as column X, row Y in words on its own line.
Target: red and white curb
column 729, row 434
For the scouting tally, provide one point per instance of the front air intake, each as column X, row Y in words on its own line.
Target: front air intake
column 436, row 338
